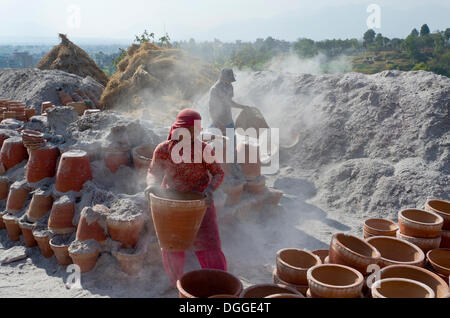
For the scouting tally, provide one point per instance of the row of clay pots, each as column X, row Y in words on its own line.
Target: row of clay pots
column 420, row 223
column 292, row 265
column 33, row 139
column 401, row 288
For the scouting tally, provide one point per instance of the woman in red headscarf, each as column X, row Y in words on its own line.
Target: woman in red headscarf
column 190, row 176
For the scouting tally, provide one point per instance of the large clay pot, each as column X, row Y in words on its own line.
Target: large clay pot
column 292, row 265
column 277, row 280
column 43, row 237
column 335, row 281
column 380, row 227
column 420, row 223
column 4, row 189
column 60, row 246
column 74, row 170
column 27, row 232
column 400, row 288
column 42, row 163
column 264, row 290
column 439, row 286
column 442, row 208
column 114, row 158
column 142, row 157
column 61, row 216
column 33, row 139
column 12, row 226
column 13, row 152
column 40, row 204
column 84, row 254
column 92, row 224
column 352, row 251
column 17, row 197
column 425, row 244
column 177, row 218
column 125, row 231
column 440, row 260
column 394, row 251
column 445, row 239
column 131, row 262
column 204, row 283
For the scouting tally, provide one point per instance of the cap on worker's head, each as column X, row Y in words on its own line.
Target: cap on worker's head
column 227, row 75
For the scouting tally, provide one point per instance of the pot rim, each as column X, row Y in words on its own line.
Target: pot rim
column 359, row 281
column 433, row 262
column 418, row 249
column 210, row 270
column 169, row 202
column 437, row 210
column 293, row 290
column 439, row 222
column 374, row 230
column 377, row 253
column 400, row 236
column 374, row 288
column 305, row 252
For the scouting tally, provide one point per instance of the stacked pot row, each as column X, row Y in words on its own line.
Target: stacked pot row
column 441, row 208
column 15, row 110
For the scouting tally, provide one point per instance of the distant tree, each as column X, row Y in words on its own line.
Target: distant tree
column 414, row 33
column 305, row 48
column 424, row 30
column 145, row 37
column 369, row 37
column 447, row 34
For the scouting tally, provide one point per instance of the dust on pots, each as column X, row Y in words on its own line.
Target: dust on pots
column 42, row 163
column 277, row 280
column 401, row 288
column 92, row 224
column 41, row 202
column 445, row 239
column 84, row 254
column 131, row 260
column 335, row 281
column 142, row 157
column 442, row 208
column 256, row 186
column 27, row 232
column 177, row 217
column 440, row 260
column 12, row 226
column 74, row 170
column 322, row 254
column 420, row 223
column 43, row 235
column 352, row 251
column 394, row 251
column 114, row 158
column 425, row 244
column 233, row 192
column 380, row 227
column 13, row 152
column 292, row 265
column 60, row 246
column 125, row 228
column 205, row 283
column 264, row 290
column 436, row 283
column 17, row 197
column 61, row 215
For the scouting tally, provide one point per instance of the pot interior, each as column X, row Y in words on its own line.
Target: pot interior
column 334, row 275
column 402, row 289
column 298, row 258
column 381, row 225
column 440, row 257
column 420, row 216
column 178, row 196
column 207, row 283
column 395, row 250
column 439, row 205
column 356, row 245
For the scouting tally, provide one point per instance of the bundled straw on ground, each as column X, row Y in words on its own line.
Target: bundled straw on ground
column 70, row 58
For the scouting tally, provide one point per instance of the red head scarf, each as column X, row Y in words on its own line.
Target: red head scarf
column 185, row 119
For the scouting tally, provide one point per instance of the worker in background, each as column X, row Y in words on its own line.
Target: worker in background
column 189, row 177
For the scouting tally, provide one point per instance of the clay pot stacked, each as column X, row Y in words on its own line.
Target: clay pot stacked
column 61, row 215
column 42, row 163
column 177, row 218
column 13, row 152
column 379, row 227
column 26, row 228
column 84, row 254
column 205, row 283
column 43, row 236
column 92, row 224
column 419, row 227
column 142, row 157
column 131, row 261
column 401, row 288
column 12, row 226
column 291, row 268
column 60, row 247
column 439, row 262
column 41, row 202
column 125, row 230
column 116, row 157
column 74, row 170
column 17, row 196
column 441, row 208
column 33, row 139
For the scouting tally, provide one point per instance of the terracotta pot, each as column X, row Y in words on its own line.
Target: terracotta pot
column 12, row 226
column 335, row 281
column 234, row 193
column 27, row 231
column 285, row 296
column 61, row 252
column 394, row 251
column 292, row 265
column 4, row 189
column 440, row 260
column 17, row 197
column 42, row 163
column 131, row 263
column 419, row 223
column 380, row 227
column 352, row 251
column 322, row 254
column 400, row 288
column 74, row 170
column 277, row 280
column 40, row 204
column 61, row 216
column 249, row 159
column 445, row 241
column 257, row 186
column 126, row 232
column 425, row 244
column 43, row 240
column 13, row 152
column 86, row 261
column 437, row 284
column 142, row 157
column 114, row 159
column 264, row 290
column 204, row 283
column 446, row 279
column 92, row 224
column 177, row 218
column 30, row 113
column 442, row 208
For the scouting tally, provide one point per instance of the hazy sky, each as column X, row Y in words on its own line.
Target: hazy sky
column 227, row 20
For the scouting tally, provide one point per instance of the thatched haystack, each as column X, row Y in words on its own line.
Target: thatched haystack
column 150, row 73
column 70, row 58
